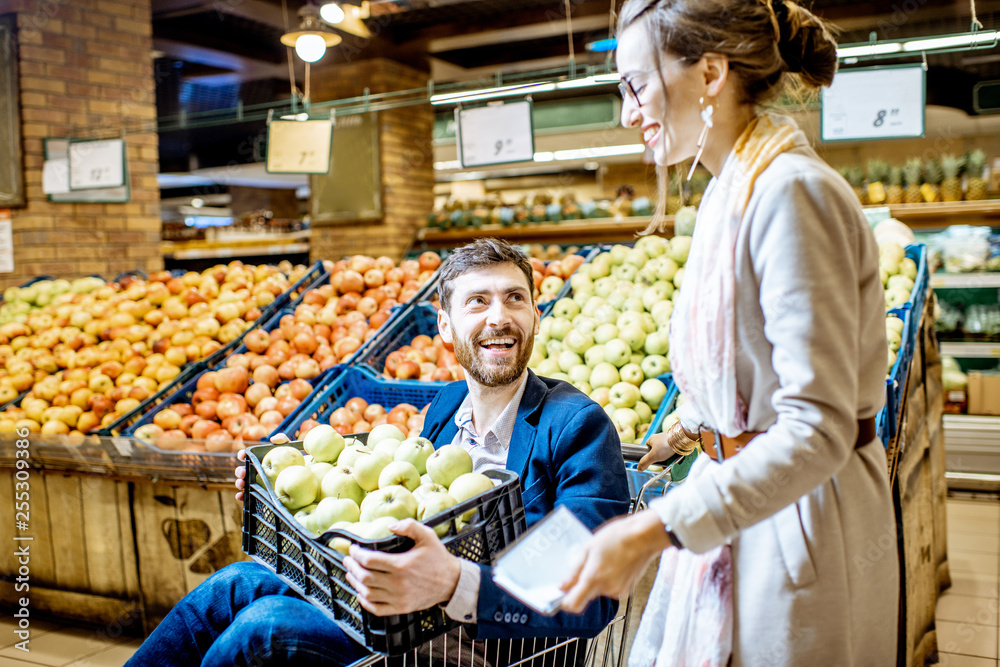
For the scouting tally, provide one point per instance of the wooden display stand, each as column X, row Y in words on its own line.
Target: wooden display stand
column 919, row 493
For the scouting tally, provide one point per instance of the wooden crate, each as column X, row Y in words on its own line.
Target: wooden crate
column 82, row 555
column 183, row 534
column 913, row 498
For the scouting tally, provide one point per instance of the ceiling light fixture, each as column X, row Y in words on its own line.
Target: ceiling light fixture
column 331, row 12
column 312, row 39
column 967, row 41
column 522, row 89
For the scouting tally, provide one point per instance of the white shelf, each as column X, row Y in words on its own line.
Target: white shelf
column 239, row 251
column 971, row 350
column 965, row 280
column 972, row 433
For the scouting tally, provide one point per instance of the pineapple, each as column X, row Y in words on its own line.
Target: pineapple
column 976, row 189
column 894, row 193
column 951, row 186
column 877, row 172
column 856, row 177
column 931, row 188
column 912, row 172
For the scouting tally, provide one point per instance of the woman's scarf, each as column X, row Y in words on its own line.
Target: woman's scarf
column 689, row 616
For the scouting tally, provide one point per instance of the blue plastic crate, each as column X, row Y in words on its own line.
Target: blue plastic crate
column 881, row 429
column 895, row 385
column 351, row 382
column 921, row 284
column 679, row 465
column 414, row 320
column 122, row 423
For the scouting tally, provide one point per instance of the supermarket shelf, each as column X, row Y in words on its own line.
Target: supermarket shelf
column 972, row 449
column 975, row 431
column 965, row 280
column 971, row 350
column 578, row 231
column 244, row 245
column 942, row 214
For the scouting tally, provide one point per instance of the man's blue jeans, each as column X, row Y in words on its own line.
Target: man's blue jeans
column 245, row 615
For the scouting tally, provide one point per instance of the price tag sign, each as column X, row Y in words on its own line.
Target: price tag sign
column 874, row 103
column 96, row 164
column 299, row 146
column 495, row 134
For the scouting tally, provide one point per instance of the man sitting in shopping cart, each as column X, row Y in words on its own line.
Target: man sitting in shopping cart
column 561, row 444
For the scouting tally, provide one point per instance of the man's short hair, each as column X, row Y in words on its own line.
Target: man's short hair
column 481, row 254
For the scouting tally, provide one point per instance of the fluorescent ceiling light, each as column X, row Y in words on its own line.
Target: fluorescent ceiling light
column 868, row 50
column 599, row 80
column 599, row 151
column 492, row 93
column 978, row 38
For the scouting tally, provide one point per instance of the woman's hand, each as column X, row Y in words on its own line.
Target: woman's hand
column 614, row 559
column 675, row 440
column 241, row 471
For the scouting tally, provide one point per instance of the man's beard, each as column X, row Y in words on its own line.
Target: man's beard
column 498, row 372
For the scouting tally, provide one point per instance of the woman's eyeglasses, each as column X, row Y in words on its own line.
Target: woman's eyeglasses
column 627, row 90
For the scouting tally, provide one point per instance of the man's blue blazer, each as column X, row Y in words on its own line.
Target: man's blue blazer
column 566, row 452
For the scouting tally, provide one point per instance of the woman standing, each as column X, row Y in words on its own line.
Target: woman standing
column 778, row 336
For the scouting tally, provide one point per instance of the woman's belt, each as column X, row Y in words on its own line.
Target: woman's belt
column 732, row 446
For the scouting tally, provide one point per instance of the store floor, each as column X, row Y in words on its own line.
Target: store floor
column 968, row 621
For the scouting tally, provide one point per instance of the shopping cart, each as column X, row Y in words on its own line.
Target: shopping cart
column 456, row 649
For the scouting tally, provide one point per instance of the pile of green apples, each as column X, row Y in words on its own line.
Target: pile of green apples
column 610, row 338
column 897, row 272
column 894, row 336
column 18, row 302
column 364, row 487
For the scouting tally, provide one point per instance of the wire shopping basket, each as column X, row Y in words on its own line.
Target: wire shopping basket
column 457, row 649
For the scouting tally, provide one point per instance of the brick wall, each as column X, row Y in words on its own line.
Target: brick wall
column 407, row 162
column 86, row 71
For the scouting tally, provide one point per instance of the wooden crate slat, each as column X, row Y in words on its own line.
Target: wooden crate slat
column 103, row 537
column 67, row 535
column 161, row 574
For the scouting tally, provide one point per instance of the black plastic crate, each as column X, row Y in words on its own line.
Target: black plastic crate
column 272, row 537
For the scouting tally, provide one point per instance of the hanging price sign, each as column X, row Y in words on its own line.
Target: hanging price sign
column 874, row 103
column 299, row 146
column 495, row 134
column 96, row 164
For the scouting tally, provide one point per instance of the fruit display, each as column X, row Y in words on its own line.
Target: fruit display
column 550, row 277
column 18, row 302
column 937, row 179
column 897, row 272
column 362, row 487
column 125, row 341
column 609, row 339
column 359, row 416
column 550, row 252
column 424, row 358
column 894, row 336
column 952, row 167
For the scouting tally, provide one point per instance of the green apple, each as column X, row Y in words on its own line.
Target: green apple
column 604, row 375
column 551, row 285
column 592, row 304
column 657, row 342
column 636, row 258
column 605, row 286
column 323, row 443
column 900, row 281
column 432, row 504
column 617, row 298
column 547, row 368
column 894, row 323
column 618, row 253
column 633, row 304
column 333, row 510
column 354, row 442
column 605, row 332
column 305, row 517
column 585, row 323
column 340, row 483
column 378, row 529
column 399, row 473
column 581, row 281
column 584, row 387
column 678, row 281
column 387, row 447
column 565, row 308
column 600, row 267
column 653, row 392
column 594, row 356
column 426, row 489
column 469, row 486
column 655, row 293
column 425, row 479
column 296, row 487
column 644, row 411
column 579, row 373
column 661, row 312
column 568, row 359
column 624, row 395
column 559, row 328
column 384, row 432
column 626, row 417
column 908, row 268
column 896, row 296
column 634, row 335
column 367, row 469
column 625, row 272
column 393, row 501
column 600, row 396
column 350, row 455
column 625, row 433
column 631, row 373
column 280, row 458
column 648, row 323
column 448, row 463
column 617, row 352
column 894, row 339
column 320, row 469
column 578, row 341
column 628, row 318
column 680, row 246
column 655, row 365
column 606, row 314
column 415, row 451
column 554, row 347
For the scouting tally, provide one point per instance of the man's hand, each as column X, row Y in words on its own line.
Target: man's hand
column 241, row 471
column 614, row 559
column 418, row 579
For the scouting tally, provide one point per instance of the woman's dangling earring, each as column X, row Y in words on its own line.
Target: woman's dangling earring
column 706, row 116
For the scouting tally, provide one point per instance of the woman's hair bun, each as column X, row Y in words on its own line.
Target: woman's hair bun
column 805, row 43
